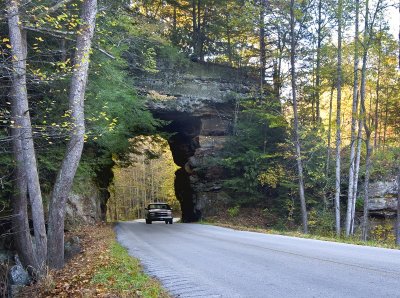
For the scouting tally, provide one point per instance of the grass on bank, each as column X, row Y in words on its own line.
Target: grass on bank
column 348, row 240
column 124, row 275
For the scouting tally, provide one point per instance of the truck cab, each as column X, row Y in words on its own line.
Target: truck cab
column 158, row 212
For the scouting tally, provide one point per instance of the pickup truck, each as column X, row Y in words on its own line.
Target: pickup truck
column 158, row 212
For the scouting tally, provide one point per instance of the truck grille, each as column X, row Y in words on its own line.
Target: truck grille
column 160, row 214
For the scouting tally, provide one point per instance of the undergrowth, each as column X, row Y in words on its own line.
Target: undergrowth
column 348, row 240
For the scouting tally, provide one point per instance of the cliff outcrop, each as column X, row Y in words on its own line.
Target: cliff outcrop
column 199, row 102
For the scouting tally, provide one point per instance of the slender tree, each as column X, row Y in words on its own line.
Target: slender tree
column 296, row 118
column 73, row 154
column 263, row 54
column 354, row 116
column 367, row 38
column 318, row 67
column 24, row 140
column 338, row 115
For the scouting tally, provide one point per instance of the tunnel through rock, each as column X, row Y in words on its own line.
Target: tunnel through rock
column 185, row 130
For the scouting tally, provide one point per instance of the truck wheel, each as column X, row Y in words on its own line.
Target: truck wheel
column 171, row 221
column 166, row 222
column 148, row 221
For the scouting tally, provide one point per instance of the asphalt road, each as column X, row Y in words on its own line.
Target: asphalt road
column 193, row 260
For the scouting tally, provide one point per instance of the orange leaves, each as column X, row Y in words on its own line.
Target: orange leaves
column 75, row 279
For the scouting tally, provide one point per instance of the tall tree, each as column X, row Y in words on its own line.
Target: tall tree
column 354, row 116
column 296, row 118
column 73, row 153
column 263, row 53
column 318, row 67
column 24, row 139
column 338, row 117
column 367, row 38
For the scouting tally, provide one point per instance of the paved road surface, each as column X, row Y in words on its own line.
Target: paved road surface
column 193, row 260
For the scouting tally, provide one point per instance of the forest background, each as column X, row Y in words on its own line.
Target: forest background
column 321, row 125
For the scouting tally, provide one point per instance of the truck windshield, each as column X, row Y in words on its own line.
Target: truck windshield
column 159, row 206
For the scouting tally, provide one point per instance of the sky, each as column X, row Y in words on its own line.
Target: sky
column 393, row 17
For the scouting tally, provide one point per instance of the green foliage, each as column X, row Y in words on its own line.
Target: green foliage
column 385, row 163
column 252, row 154
column 115, row 112
column 234, row 211
column 322, row 222
column 383, row 233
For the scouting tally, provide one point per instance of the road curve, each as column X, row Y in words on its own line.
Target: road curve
column 194, row 260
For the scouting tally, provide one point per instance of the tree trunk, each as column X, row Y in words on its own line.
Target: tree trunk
column 365, row 226
column 366, row 188
column 228, row 36
column 194, row 30
column 296, row 120
column 20, row 224
column 72, row 156
column 365, row 123
column 318, row 69
column 356, row 171
column 21, row 111
column 354, row 116
column 385, row 122
column 263, row 56
column 338, row 122
column 328, row 154
column 377, row 90
column 174, row 37
column 202, row 31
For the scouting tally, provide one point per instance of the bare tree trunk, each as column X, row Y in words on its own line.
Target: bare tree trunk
column 367, row 41
column 328, row 154
column 354, row 116
column 377, row 90
column 365, row 121
column 385, row 122
column 194, row 29
column 20, row 224
column 263, row 55
column 21, row 113
column 356, row 171
column 296, row 120
column 72, row 156
column 338, row 122
column 318, row 70
column 228, row 37
column 365, row 226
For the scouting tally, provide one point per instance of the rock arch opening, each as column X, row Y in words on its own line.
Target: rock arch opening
column 184, row 141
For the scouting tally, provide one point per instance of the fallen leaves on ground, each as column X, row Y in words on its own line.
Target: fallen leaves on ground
column 76, row 278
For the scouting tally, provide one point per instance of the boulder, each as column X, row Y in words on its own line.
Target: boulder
column 72, row 247
column 18, row 275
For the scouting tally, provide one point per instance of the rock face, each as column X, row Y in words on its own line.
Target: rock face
column 200, row 104
column 383, row 198
column 83, row 208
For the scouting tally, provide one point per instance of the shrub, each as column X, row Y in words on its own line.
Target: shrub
column 234, row 211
